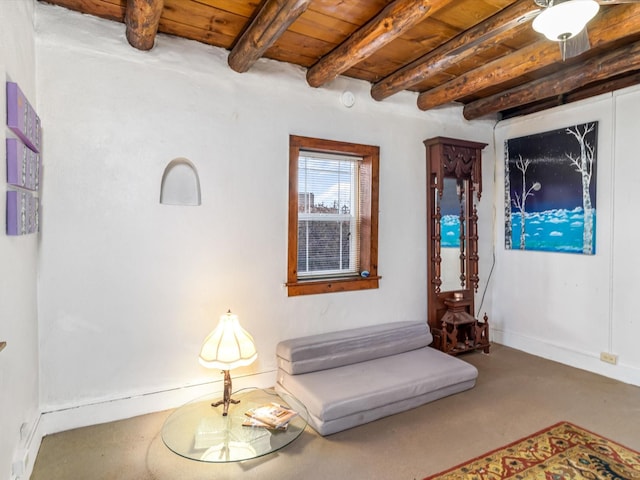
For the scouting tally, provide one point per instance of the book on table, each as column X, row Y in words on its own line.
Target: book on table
column 270, row 415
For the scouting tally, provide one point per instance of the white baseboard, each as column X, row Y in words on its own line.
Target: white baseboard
column 83, row 415
column 583, row 360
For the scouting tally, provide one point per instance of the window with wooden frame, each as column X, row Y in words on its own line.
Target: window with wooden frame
column 333, row 216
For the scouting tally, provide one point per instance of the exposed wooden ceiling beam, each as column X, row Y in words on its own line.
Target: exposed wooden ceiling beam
column 619, row 61
column 616, row 83
column 614, row 23
column 531, row 57
column 485, row 34
column 598, row 88
column 269, row 24
column 142, row 18
column 395, row 19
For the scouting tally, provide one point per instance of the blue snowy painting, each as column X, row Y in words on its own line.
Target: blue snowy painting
column 550, row 190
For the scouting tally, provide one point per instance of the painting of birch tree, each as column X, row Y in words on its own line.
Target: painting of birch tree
column 550, row 190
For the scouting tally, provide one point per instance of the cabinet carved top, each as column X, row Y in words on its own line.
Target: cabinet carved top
column 458, row 161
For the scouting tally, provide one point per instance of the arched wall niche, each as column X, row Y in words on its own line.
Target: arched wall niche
column 180, row 184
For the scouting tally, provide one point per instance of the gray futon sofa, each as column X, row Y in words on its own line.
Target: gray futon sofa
column 355, row 376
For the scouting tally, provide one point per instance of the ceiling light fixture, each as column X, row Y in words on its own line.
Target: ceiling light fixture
column 561, row 21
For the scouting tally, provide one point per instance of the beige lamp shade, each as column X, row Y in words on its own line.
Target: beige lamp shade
column 228, row 346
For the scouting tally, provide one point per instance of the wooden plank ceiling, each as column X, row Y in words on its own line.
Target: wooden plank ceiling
column 483, row 54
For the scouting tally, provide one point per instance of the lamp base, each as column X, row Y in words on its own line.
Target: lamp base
column 226, row 396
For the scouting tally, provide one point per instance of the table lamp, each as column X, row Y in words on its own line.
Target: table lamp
column 227, row 346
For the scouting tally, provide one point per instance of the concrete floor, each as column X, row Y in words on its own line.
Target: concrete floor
column 516, row 394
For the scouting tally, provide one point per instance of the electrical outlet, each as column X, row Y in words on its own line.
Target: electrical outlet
column 609, row 358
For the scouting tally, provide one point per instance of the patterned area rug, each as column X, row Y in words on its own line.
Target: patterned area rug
column 562, row 451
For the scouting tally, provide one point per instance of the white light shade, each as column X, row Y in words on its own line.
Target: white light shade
column 565, row 20
column 228, row 346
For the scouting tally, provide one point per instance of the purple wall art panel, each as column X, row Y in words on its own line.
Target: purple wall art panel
column 23, row 165
column 22, row 213
column 22, row 118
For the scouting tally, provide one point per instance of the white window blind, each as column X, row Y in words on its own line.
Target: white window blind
column 328, row 215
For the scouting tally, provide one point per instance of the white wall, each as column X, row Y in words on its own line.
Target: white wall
column 18, row 258
column 570, row 307
column 625, row 326
column 128, row 287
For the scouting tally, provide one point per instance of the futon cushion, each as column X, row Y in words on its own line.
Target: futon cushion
column 360, row 387
column 335, row 349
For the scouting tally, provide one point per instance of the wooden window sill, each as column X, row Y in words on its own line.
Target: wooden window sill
column 312, row 287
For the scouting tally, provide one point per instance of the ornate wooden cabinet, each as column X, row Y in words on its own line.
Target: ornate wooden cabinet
column 454, row 178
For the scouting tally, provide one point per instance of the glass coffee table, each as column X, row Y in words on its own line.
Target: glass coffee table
column 200, row 432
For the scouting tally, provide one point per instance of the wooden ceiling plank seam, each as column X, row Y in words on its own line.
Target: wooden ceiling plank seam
column 107, row 10
column 429, row 33
column 235, row 7
column 356, row 12
column 392, row 21
column 292, row 45
column 273, row 19
column 462, row 14
column 619, row 61
column 141, row 19
column 323, row 27
column 206, row 36
column 533, row 57
column 500, row 4
column 198, row 15
column 455, row 50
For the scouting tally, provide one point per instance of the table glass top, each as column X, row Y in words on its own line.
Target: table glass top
column 200, row 432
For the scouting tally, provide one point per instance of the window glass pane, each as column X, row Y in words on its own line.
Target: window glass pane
column 324, row 246
column 327, row 213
